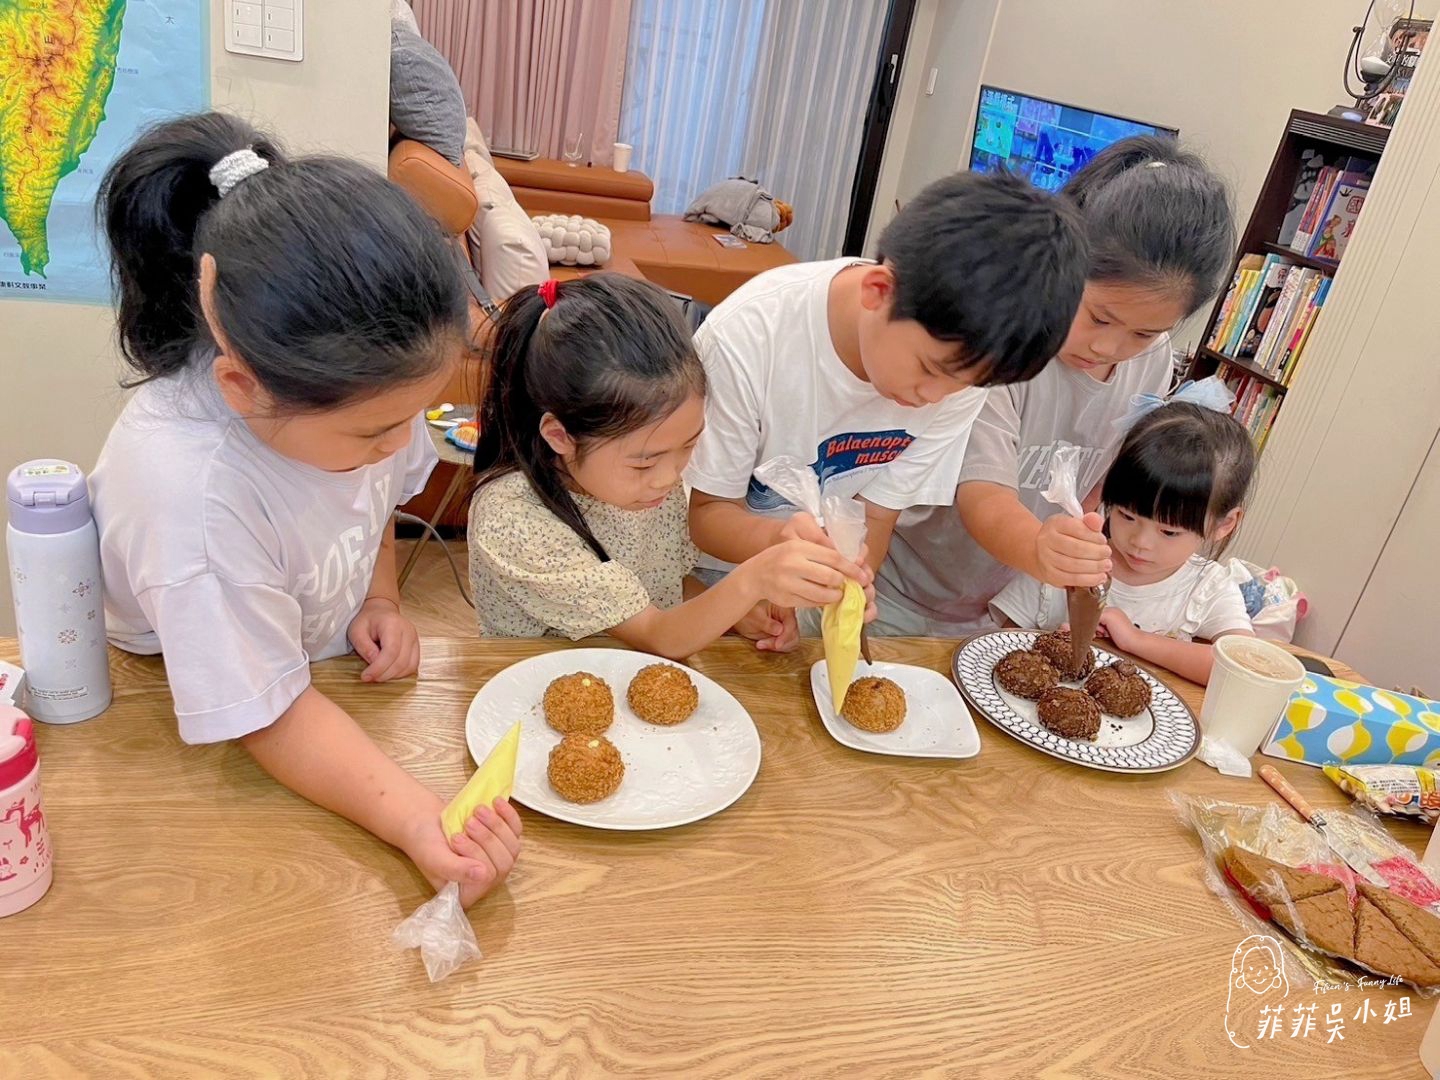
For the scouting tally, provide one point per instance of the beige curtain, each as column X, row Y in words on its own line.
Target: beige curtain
column 536, row 72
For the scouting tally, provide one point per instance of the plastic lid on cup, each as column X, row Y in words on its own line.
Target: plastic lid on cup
column 47, row 496
column 1266, row 661
column 17, row 746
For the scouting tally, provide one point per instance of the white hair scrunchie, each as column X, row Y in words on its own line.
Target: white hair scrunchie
column 234, row 167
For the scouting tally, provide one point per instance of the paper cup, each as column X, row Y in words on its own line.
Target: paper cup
column 622, row 156
column 1250, row 686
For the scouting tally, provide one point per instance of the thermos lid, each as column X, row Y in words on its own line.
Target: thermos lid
column 17, row 746
column 47, row 496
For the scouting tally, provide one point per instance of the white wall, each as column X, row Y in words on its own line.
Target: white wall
column 1225, row 72
column 58, row 361
column 930, row 132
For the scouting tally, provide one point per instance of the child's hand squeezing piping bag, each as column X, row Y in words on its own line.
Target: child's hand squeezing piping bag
column 844, row 522
column 440, row 929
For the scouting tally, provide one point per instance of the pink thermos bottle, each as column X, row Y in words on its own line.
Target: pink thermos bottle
column 25, row 856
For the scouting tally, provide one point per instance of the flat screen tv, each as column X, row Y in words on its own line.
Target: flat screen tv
column 1044, row 141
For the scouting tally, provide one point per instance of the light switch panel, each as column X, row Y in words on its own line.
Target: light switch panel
column 273, row 28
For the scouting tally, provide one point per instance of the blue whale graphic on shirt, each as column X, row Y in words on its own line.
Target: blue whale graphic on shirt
column 835, row 456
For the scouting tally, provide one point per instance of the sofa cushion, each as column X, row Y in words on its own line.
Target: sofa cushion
column 547, row 174
column 425, row 99
column 475, row 140
column 401, row 12
column 504, row 244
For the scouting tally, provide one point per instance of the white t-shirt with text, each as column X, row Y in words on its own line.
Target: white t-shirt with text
column 239, row 564
column 778, row 387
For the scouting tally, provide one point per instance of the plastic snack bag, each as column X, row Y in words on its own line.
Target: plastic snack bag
column 1411, row 790
column 844, row 521
column 440, row 929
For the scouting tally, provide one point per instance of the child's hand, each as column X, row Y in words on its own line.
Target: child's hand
column 773, row 629
column 478, row 859
column 799, row 573
column 1071, row 552
column 386, row 640
column 1116, row 625
column 802, row 526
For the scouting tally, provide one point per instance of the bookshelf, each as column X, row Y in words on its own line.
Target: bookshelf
column 1258, row 361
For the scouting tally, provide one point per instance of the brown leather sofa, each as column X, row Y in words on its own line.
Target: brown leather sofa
column 676, row 254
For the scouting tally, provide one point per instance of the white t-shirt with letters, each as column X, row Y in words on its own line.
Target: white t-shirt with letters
column 239, row 564
column 778, row 387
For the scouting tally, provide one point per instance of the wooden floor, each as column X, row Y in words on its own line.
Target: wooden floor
column 430, row 597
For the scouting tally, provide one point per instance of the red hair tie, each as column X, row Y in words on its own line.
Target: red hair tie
column 549, row 292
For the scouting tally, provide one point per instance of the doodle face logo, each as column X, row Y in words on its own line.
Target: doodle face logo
column 1257, row 970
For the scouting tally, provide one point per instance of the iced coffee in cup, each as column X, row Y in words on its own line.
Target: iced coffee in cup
column 1250, row 685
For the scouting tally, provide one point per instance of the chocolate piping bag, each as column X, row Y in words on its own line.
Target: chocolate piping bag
column 1083, row 605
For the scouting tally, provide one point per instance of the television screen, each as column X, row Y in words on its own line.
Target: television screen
column 1041, row 140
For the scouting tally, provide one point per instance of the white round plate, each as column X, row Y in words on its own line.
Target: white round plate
column 937, row 723
column 673, row 775
column 1163, row 737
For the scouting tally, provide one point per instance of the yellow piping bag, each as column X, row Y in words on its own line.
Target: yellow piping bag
column 440, row 929
column 840, row 630
column 494, row 779
column 844, row 521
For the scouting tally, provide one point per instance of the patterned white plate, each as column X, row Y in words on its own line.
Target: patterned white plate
column 1163, row 737
column 673, row 775
column 937, row 722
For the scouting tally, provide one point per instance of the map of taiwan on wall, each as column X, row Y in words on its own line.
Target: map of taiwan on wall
column 79, row 79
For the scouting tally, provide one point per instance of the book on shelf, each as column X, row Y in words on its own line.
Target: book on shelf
column 1292, row 362
column 1240, row 301
column 1311, row 162
column 1273, row 278
column 1333, row 206
column 1406, row 40
column 1319, row 200
column 1282, row 325
column 1256, row 404
column 1288, row 343
column 1340, row 223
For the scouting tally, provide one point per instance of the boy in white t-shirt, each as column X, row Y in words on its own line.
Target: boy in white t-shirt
column 870, row 371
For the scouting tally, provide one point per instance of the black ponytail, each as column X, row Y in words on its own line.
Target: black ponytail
column 331, row 284
column 611, row 356
column 1157, row 217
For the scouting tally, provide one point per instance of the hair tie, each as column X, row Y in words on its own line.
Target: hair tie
column 234, row 167
column 1211, row 393
column 549, row 292
column 1156, row 164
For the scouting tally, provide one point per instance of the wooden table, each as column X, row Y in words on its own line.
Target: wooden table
column 852, row 915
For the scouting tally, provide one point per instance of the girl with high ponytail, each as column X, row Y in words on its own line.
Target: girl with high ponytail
column 285, row 321
column 593, row 404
